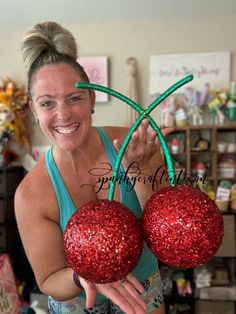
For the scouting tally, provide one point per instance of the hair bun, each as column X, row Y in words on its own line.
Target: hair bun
column 50, row 39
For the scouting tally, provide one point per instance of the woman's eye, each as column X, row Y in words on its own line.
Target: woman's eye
column 74, row 100
column 47, row 104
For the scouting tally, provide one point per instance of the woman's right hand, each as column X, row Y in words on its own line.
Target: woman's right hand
column 124, row 293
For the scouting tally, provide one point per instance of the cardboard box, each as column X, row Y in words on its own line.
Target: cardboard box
column 214, row 307
column 228, row 246
column 218, row 293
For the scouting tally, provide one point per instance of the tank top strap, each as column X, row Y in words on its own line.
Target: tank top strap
column 128, row 194
column 65, row 203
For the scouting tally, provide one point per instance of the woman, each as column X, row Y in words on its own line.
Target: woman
column 61, row 182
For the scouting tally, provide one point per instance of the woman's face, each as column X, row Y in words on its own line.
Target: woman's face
column 64, row 112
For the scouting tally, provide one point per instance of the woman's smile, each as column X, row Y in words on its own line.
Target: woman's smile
column 67, row 129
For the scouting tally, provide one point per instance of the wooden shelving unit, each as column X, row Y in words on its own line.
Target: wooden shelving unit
column 186, row 157
column 212, row 133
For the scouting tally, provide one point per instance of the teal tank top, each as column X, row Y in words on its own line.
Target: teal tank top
column 148, row 263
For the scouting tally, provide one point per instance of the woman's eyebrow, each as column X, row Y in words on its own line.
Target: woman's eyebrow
column 41, row 96
column 76, row 93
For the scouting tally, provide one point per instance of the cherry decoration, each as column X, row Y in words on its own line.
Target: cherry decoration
column 86, row 238
column 183, row 227
column 103, row 241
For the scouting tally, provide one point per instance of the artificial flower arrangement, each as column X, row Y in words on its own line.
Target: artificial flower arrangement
column 13, row 122
column 221, row 105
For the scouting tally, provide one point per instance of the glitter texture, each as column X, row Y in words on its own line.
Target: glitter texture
column 182, row 226
column 103, row 241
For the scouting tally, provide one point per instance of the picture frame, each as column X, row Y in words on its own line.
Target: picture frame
column 97, row 70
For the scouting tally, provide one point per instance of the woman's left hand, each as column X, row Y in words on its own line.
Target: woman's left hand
column 143, row 145
column 126, row 294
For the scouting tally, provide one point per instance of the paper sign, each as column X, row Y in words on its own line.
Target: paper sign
column 213, row 68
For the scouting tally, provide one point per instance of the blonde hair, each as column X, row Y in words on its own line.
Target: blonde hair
column 49, row 43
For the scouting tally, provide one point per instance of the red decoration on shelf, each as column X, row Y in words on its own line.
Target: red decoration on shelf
column 103, row 241
column 182, row 226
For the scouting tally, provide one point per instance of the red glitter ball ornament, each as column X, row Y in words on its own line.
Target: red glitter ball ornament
column 182, row 226
column 103, row 241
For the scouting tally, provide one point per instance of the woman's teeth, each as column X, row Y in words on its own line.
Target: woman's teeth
column 67, row 130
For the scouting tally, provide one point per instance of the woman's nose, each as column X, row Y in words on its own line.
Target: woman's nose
column 63, row 112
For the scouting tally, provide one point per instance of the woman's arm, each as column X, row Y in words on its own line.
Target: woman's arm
column 43, row 243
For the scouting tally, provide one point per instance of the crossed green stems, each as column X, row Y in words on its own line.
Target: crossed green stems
column 143, row 113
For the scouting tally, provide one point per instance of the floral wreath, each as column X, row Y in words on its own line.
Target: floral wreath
column 13, row 107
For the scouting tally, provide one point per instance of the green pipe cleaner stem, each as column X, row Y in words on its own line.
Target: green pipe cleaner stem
column 142, row 114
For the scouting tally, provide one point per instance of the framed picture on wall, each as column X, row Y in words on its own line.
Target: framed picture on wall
column 97, row 71
column 206, row 67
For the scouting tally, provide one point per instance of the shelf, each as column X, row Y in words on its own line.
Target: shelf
column 227, row 178
column 179, row 299
column 6, row 195
column 199, row 152
column 189, row 137
column 207, row 127
column 11, row 167
column 179, row 154
column 228, row 127
column 229, row 212
column 226, row 153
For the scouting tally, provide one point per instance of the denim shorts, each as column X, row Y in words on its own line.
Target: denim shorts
column 153, row 296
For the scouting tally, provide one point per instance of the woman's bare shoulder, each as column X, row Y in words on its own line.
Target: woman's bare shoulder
column 34, row 179
column 35, row 189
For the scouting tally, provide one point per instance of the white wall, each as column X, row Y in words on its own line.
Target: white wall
column 120, row 40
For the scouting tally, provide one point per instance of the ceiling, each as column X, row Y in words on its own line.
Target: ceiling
column 21, row 13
